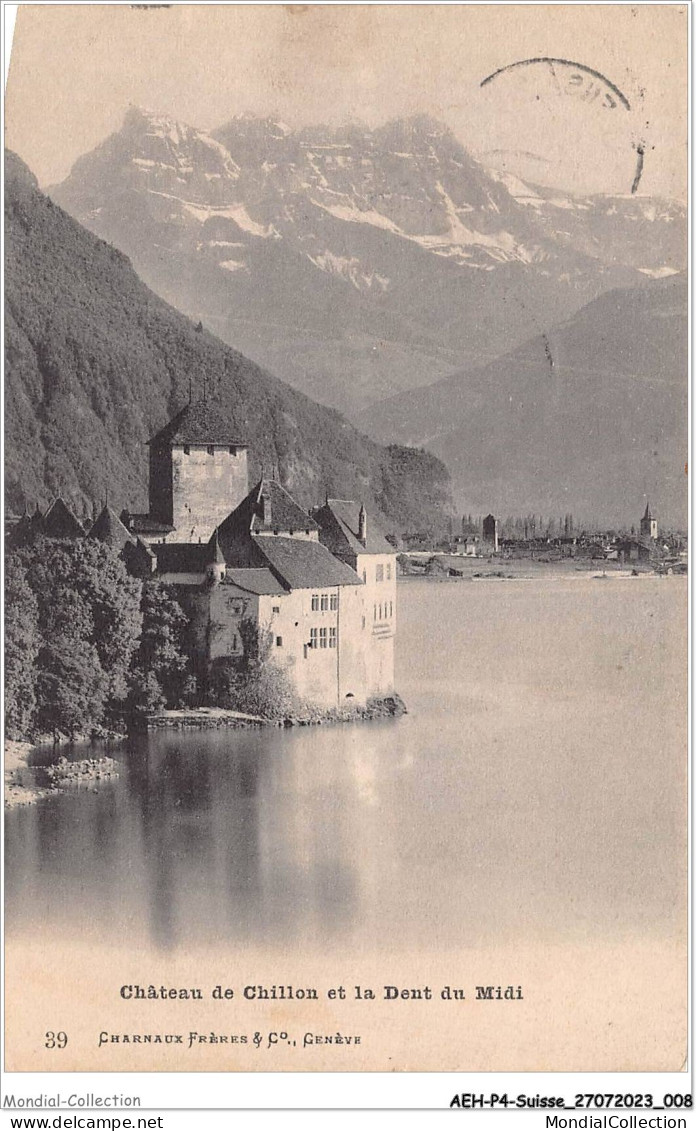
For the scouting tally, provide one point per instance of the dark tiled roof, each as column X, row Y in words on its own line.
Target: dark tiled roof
column 204, row 422
column 285, row 516
column 301, row 564
column 139, row 558
column 248, row 518
column 109, row 529
column 182, row 557
column 338, row 519
column 259, row 581
column 30, row 526
column 143, row 524
column 60, row 522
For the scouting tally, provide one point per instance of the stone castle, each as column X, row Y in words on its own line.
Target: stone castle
column 323, row 584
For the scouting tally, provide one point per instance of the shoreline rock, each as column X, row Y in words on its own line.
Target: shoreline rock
column 25, row 784
column 206, row 718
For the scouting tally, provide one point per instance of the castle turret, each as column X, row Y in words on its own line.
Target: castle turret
column 215, row 570
column 109, row 529
column 362, row 525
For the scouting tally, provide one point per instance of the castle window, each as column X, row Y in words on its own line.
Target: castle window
column 389, row 573
column 313, row 637
column 334, row 601
column 233, row 451
column 379, row 573
column 333, row 637
column 380, row 611
column 391, row 609
column 324, row 602
column 234, row 643
column 363, row 622
column 364, row 575
column 375, row 613
column 276, row 608
column 279, row 641
column 315, row 602
column 211, row 450
column 323, row 635
column 187, row 450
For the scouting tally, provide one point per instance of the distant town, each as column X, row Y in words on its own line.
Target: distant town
column 549, row 541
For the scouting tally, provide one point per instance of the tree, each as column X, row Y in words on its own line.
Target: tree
column 21, row 649
column 89, row 620
column 160, row 656
column 72, row 688
column 146, row 695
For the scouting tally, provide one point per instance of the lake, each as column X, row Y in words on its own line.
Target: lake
column 534, row 796
column 538, row 777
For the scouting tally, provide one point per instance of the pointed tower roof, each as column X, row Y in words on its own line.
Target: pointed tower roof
column 647, row 516
column 109, row 529
column 60, row 522
column 204, row 422
column 218, row 556
column 339, row 520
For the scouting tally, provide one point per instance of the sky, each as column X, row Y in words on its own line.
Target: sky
column 75, row 69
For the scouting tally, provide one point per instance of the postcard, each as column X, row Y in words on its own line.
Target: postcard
column 346, row 539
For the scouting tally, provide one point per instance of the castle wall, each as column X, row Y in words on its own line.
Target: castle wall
column 228, row 605
column 354, row 643
column 379, row 601
column 206, row 484
column 160, row 485
column 334, row 656
column 310, row 659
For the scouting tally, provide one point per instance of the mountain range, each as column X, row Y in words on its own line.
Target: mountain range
column 358, row 263
column 591, row 416
column 96, row 364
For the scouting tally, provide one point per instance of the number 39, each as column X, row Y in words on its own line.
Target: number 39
column 56, row 1040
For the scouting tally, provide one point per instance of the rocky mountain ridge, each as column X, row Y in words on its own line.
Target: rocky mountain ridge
column 357, row 262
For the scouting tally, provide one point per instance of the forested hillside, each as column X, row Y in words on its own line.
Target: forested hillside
column 96, row 363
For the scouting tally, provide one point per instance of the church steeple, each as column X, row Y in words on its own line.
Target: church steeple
column 648, row 524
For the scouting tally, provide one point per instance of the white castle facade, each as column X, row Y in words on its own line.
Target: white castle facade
column 321, row 585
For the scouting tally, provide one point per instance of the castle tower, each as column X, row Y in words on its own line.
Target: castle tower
column 491, row 532
column 648, row 524
column 198, row 472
